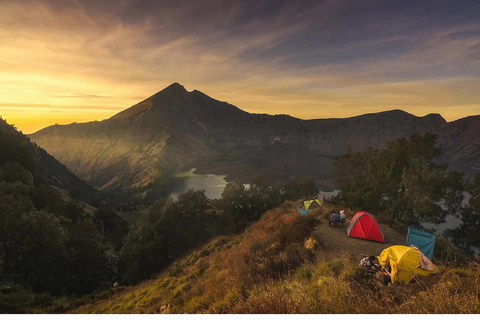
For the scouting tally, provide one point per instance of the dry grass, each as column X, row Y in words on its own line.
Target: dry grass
column 281, row 265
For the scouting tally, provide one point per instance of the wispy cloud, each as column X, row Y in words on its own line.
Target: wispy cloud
column 306, row 58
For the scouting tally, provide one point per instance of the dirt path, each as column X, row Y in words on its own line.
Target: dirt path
column 337, row 242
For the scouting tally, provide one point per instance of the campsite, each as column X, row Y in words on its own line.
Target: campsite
column 292, row 263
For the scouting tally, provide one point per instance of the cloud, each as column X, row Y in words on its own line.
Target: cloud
column 306, row 58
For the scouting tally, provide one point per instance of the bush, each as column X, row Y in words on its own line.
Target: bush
column 297, row 231
column 445, row 253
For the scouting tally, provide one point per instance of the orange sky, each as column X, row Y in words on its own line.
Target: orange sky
column 64, row 63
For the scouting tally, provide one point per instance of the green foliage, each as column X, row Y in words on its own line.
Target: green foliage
column 245, row 205
column 168, row 230
column 15, row 172
column 235, row 203
column 467, row 235
column 88, row 262
column 48, row 245
column 114, row 226
column 74, row 211
column 403, row 181
column 33, row 245
column 295, row 188
column 58, row 251
column 46, row 197
column 15, row 149
column 446, row 254
column 19, row 300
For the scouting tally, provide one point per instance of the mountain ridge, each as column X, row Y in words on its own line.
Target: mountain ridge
column 140, row 147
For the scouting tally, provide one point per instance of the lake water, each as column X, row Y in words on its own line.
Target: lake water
column 213, row 184
column 451, row 222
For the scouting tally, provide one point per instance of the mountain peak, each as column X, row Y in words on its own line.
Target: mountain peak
column 175, row 87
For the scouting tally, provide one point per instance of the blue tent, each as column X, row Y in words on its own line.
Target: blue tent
column 424, row 241
column 303, row 211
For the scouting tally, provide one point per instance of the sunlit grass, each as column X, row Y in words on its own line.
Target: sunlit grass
column 278, row 266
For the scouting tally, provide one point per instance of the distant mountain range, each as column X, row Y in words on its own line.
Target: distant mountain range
column 137, row 150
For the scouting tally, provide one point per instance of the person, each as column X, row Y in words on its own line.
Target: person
column 342, row 215
column 335, row 216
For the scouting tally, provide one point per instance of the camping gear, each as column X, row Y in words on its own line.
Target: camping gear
column 364, row 226
column 309, row 205
column 424, row 241
column 402, row 263
column 369, row 263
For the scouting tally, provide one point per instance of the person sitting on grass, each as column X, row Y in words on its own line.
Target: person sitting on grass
column 343, row 217
column 335, row 217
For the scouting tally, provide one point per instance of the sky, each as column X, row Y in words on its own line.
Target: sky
column 78, row 61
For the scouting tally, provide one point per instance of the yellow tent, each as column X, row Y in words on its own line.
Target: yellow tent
column 405, row 262
column 308, row 203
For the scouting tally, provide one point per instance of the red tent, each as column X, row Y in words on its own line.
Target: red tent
column 364, row 226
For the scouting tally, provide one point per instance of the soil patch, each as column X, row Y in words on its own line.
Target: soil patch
column 338, row 243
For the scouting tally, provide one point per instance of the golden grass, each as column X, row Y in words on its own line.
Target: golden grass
column 277, row 267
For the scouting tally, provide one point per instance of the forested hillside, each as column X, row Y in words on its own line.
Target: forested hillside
column 51, row 243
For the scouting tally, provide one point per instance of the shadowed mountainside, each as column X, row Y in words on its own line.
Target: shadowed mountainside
column 137, row 150
column 460, row 141
column 43, row 166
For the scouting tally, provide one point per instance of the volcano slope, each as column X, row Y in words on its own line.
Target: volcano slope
column 136, row 151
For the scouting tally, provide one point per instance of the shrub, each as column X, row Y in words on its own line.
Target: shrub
column 311, row 244
column 445, row 253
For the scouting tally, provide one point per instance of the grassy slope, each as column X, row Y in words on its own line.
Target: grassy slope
column 267, row 270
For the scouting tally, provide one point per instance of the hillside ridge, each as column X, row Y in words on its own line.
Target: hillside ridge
column 281, row 264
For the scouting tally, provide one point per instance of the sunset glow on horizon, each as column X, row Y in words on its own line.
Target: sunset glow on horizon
column 79, row 61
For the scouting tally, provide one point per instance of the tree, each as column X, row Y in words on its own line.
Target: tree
column 87, row 263
column 33, row 246
column 295, row 188
column 235, row 203
column 112, row 225
column 74, row 211
column 168, row 230
column 404, row 181
column 467, row 235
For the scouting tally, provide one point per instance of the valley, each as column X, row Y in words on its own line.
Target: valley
column 137, row 151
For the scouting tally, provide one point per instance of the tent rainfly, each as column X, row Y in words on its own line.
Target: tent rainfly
column 405, row 262
column 364, row 226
